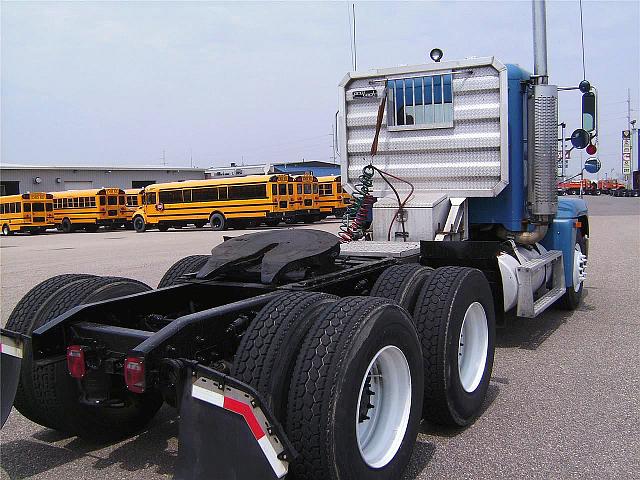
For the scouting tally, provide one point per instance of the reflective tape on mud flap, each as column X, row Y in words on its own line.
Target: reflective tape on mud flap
column 10, row 346
column 237, row 402
column 11, row 351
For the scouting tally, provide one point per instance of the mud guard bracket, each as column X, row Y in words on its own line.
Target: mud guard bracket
column 227, row 432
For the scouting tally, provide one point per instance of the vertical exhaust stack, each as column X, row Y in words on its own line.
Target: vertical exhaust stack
column 540, row 41
column 542, row 128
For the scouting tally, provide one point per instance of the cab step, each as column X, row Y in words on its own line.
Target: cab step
column 527, row 306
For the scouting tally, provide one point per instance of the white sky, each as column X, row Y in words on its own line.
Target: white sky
column 118, row 83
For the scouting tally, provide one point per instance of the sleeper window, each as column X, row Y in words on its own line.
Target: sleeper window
column 420, row 102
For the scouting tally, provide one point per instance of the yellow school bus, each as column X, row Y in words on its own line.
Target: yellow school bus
column 133, row 200
column 236, row 202
column 304, row 199
column 333, row 199
column 89, row 209
column 29, row 212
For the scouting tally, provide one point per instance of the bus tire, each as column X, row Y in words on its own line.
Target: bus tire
column 163, row 227
column 67, row 226
column 139, row 224
column 56, row 393
column 401, row 283
column 572, row 297
column 6, row 230
column 22, row 320
column 357, row 387
column 189, row 264
column 217, row 222
column 269, row 347
column 455, row 320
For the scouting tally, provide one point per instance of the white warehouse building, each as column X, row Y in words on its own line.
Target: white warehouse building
column 16, row 179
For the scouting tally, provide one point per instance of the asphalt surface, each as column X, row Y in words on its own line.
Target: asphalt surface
column 563, row 402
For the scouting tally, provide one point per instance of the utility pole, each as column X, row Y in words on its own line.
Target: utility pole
column 333, row 144
column 564, row 150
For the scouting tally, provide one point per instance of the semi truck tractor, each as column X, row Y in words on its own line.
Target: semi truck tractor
column 302, row 354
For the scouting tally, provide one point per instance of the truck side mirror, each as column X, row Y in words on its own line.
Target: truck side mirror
column 580, row 138
column 589, row 111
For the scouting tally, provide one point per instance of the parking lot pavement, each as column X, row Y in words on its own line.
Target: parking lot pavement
column 563, row 401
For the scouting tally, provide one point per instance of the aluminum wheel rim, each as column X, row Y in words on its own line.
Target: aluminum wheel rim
column 473, row 346
column 385, row 401
column 578, row 268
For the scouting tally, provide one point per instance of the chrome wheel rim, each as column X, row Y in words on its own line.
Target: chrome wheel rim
column 473, row 346
column 579, row 268
column 384, row 406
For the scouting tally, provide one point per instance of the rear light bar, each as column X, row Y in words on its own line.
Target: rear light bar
column 134, row 374
column 75, row 361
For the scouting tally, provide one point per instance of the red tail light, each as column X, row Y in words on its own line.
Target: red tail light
column 134, row 374
column 75, row 361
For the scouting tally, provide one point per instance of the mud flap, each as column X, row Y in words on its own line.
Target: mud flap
column 11, row 344
column 227, row 432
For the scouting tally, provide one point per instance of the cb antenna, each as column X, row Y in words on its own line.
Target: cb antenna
column 351, row 12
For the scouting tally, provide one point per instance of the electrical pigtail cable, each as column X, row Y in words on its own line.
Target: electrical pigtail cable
column 399, row 215
column 355, row 218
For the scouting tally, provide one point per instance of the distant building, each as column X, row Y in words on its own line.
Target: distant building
column 234, row 170
column 294, row 168
column 33, row 178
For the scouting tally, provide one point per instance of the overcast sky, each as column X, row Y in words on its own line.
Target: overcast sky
column 118, row 83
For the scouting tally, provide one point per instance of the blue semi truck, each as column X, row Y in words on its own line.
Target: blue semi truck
column 303, row 354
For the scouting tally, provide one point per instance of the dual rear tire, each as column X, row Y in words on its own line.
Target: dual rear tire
column 350, row 378
column 454, row 316
column 47, row 394
column 319, row 361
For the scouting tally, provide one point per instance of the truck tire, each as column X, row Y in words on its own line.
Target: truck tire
column 455, row 320
column 56, row 394
column 139, row 225
column 401, row 283
column 217, row 222
column 269, row 348
column 6, row 230
column 190, row 264
column 356, row 393
column 572, row 297
column 22, row 319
